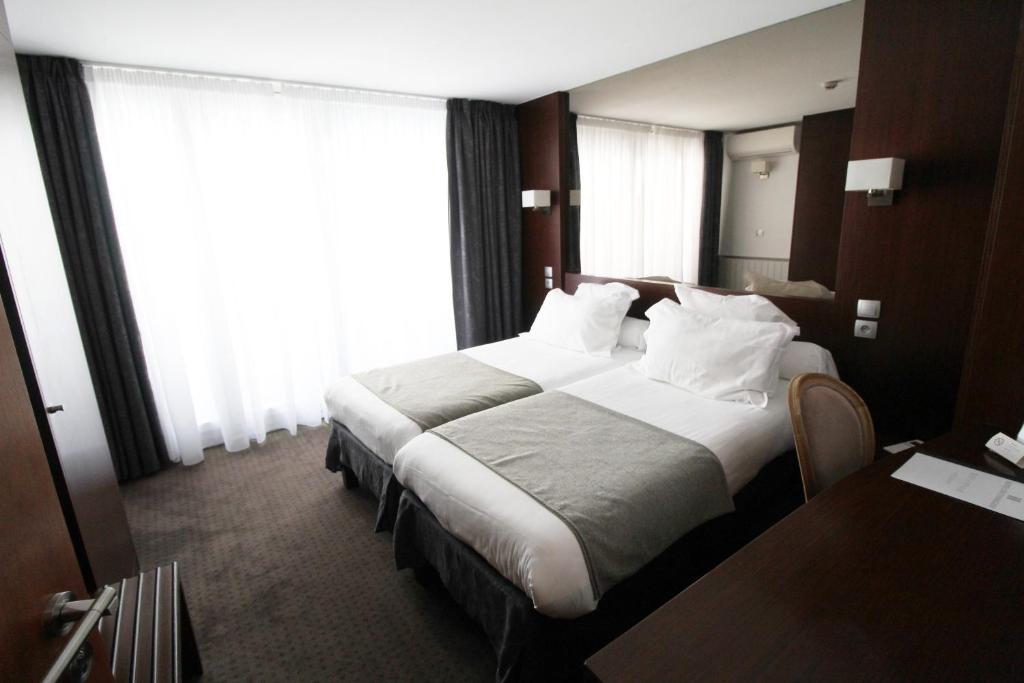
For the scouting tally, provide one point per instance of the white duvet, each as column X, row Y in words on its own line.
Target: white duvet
column 528, row 544
column 384, row 430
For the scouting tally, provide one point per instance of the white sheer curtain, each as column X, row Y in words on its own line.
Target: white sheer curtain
column 642, row 188
column 275, row 236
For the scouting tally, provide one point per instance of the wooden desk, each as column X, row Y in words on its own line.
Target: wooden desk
column 875, row 579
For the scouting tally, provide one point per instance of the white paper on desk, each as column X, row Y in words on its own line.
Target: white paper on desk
column 999, row 494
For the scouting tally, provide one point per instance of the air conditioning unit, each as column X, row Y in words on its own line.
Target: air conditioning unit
column 763, row 143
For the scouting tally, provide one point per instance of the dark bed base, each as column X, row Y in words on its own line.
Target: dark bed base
column 532, row 647
column 361, row 466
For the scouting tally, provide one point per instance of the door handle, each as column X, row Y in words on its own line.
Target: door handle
column 50, row 410
column 63, row 610
column 59, row 615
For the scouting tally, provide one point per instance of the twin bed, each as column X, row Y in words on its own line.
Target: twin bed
column 369, row 427
column 560, row 492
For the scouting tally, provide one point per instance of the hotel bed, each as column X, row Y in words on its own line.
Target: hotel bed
column 367, row 432
column 530, row 553
column 527, row 543
column 375, row 414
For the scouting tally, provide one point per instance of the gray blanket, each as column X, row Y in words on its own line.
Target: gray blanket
column 626, row 489
column 433, row 391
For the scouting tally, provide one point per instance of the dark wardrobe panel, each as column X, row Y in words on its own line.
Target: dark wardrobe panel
column 992, row 389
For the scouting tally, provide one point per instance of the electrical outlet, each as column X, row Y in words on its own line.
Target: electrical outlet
column 867, row 329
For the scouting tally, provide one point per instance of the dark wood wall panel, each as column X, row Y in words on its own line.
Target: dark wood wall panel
column 933, row 83
column 818, row 208
column 992, row 389
column 543, row 153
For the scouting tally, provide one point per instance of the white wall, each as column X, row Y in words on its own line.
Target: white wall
column 750, row 204
column 40, row 286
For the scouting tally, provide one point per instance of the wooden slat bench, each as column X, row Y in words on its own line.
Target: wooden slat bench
column 149, row 633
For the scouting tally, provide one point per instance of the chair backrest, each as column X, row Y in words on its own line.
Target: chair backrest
column 832, row 428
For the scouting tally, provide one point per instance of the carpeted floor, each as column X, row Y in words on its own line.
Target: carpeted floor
column 286, row 581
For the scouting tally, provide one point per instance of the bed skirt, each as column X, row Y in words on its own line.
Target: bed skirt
column 359, row 466
column 532, row 647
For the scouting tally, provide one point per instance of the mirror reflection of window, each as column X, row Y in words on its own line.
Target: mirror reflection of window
column 640, row 214
column 776, row 108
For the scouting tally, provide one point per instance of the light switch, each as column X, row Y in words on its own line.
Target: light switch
column 869, row 308
column 867, row 329
column 548, row 271
column 548, row 283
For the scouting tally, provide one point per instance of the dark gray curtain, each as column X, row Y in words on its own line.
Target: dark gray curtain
column 711, row 213
column 572, row 234
column 485, row 220
column 65, row 134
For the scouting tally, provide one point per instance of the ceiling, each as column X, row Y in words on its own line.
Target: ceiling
column 768, row 77
column 504, row 51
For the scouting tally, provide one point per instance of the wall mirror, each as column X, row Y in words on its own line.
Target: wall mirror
column 723, row 166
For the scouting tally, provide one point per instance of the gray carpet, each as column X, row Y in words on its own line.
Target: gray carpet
column 285, row 579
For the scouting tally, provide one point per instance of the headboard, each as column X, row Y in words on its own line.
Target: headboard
column 816, row 317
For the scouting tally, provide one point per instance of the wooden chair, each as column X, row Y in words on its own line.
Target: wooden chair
column 832, row 428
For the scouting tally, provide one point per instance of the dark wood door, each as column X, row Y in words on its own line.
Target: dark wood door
column 36, row 555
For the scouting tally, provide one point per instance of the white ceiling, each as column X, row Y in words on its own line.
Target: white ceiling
column 763, row 78
column 504, row 51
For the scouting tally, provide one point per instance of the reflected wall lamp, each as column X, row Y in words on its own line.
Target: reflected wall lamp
column 880, row 178
column 537, row 200
column 760, row 168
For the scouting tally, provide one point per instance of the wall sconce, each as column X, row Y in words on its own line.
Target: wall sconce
column 878, row 177
column 574, row 197
column 538, row 200
column 760, row 168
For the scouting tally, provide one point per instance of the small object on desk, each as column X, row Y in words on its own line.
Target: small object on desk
column 903, row 446
column 964, row 483
column 1008, row 447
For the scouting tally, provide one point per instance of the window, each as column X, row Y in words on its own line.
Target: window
column 275, row 236
column 642, row 188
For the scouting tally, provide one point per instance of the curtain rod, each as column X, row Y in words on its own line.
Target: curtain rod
column 257, row 79
column 637, row 123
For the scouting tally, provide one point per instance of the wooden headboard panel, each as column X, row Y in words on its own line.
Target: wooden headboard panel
column 816, row 317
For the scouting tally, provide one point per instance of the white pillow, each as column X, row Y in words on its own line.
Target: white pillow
column 592, row 290
column 743, row 307
column 615, row 290
column 589, row 323
column 719, row 358
column 800, row 357
column 808, row 289
column 631, row 334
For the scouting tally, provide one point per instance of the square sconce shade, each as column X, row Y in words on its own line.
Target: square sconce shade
column 874, row 174
column 536, row 199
